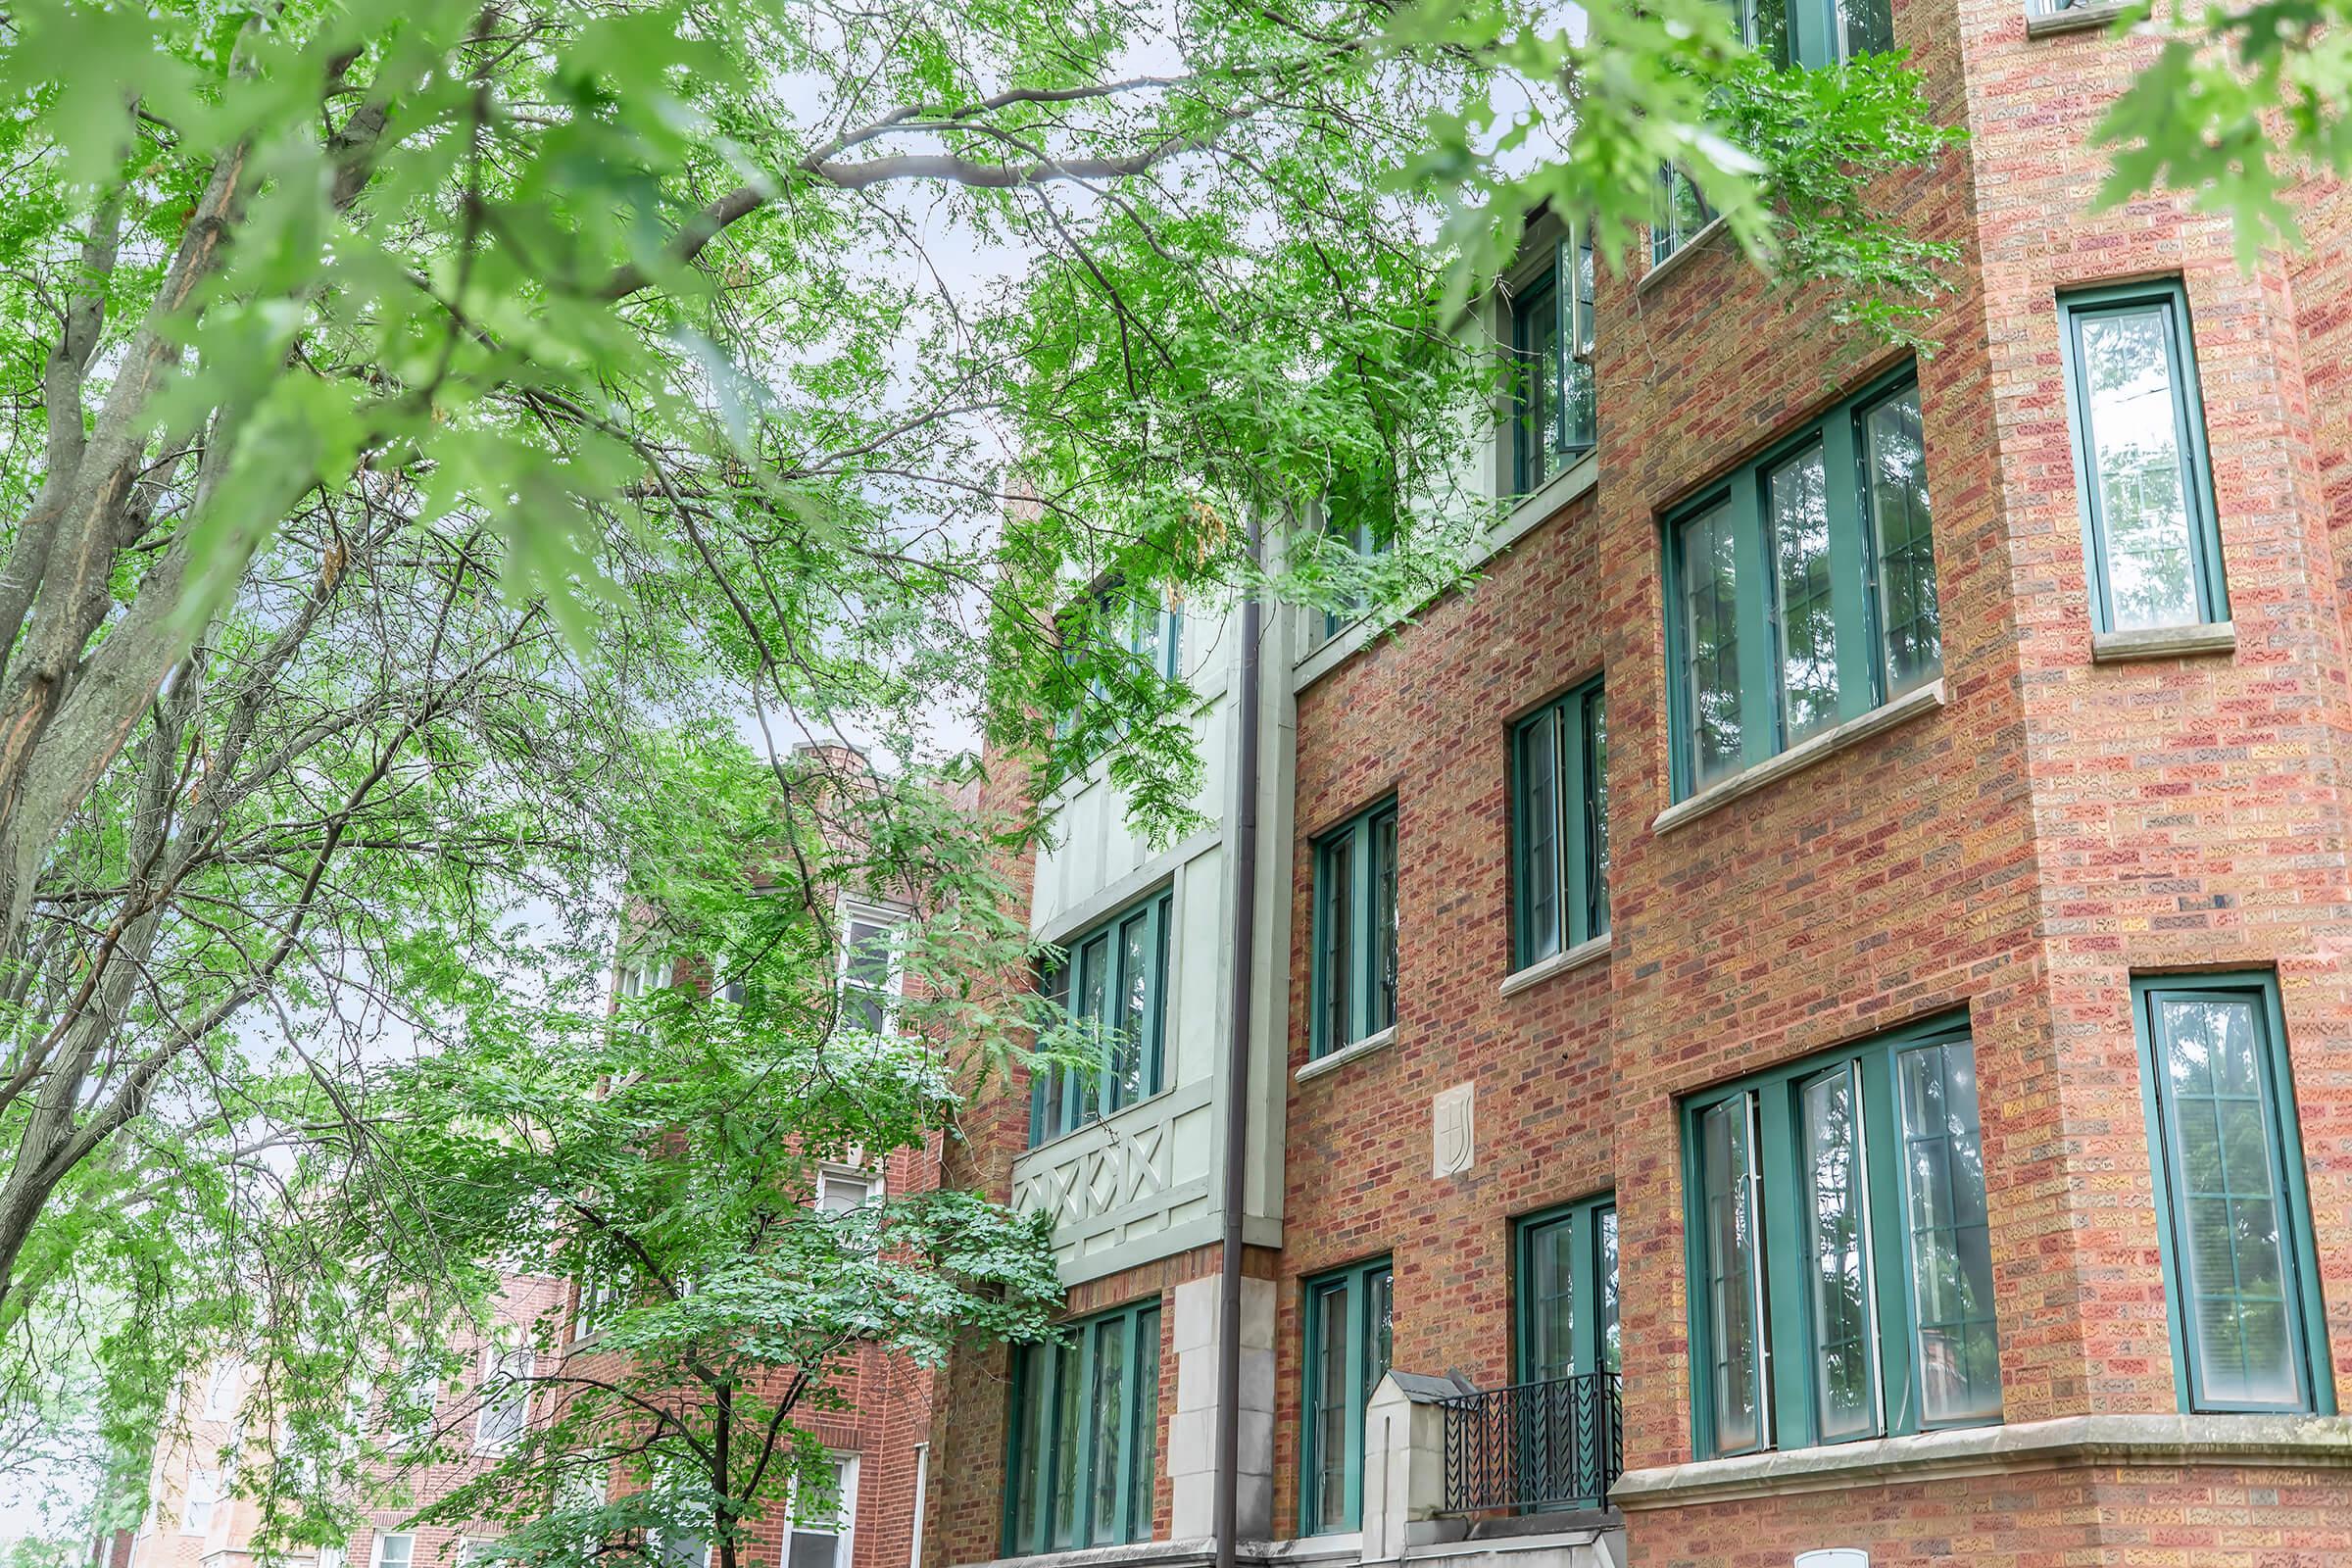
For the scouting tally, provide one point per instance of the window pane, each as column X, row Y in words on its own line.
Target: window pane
column 1147, row 1424
column 1864, row 27
column 1093, row 1008
column 1710, row 590
column 1069, row 1420
column 1609, row 1361
column 1384, row 923
column 813, row 1548
column 1339, row 903
column 1728, row 1155
column 1538, row 820
column 1134, row 998
column 1109, row 1435
column 1551, row 1314
column 1836, row 1240
column 2138, row 475
column 1330, row 1408
column 1798, row 499
column 1951, row 1248
column 1379, row 1335
column 1036, row 1386
column 2242, row 1326
column 1596, row 816
column 1894, row 457
column 1681, row 212
column 1536, row 333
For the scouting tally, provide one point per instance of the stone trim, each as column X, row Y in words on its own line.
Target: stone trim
column 2164, row 642
column 1802, row 754
column 1341, row 1057
column 2082, row 19
column 2302, row 1441
column 1331, row 1548
column 1589, row 951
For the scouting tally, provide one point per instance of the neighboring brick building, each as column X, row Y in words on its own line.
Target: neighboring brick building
column 1867, row 868
column 196, row 1518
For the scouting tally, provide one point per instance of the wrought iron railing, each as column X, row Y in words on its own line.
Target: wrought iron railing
column 1558, row 1444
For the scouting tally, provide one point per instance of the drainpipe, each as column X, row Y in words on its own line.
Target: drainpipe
column 1236, row 1084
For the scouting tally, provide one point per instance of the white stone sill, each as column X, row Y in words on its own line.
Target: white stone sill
column 1713, row 230
column 1347, row 1547
column 2299, row 1441
column 2164, row 642
column 1334, row 1061
column 2083, row 18
column 1589, row 951
column 1804, row 754
column 1524, row 515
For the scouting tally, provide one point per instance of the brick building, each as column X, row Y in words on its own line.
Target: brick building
column 1803, row 1013
column 217, row 1420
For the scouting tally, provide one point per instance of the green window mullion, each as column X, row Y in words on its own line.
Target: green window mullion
column 2188, row 425
column 1785, row 1374
column 1759, row 682
column 1576, row 921
column 1861, row 684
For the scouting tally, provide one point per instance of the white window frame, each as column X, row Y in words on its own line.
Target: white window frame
column 850, row 912
column 206, row 1484
column 597, row 1299
column 845, row 1522
column 639, row 976
column 375, row 1550
column 333, row 1557
column 494, row 1358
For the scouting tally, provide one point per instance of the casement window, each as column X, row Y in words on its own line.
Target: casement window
column 1551, row 350
column 1559, row 826
column 1802, row 591
column 644, row 975
column 1361, row 539
column 824, row 1515
column 1112, row 987
column 869, row 968
column 1817, row 32
column 506, row 1399
column 2150, row 539
column 599, row 1299
column 394, row 1552
column 1840, row 1260
column 1085, row 1450
column 1566, row 1292
column 196, row 1511
column 1147, row 631
column 1350, row 1316
column 1356, row 931
column 2239, row 1264
column 333, row 1557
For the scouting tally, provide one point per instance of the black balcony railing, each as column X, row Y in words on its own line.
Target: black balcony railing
column 1554, row 1444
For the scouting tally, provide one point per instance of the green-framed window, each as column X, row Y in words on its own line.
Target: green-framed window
column 1112, row 984
column 1362, row 539
column 2150, row 539
column 1682, row 211
column 2247, row 1329
column 1147, row 630
column 1555, row 419
column 1566, row 1295
column 1085, row 1435
column 1840, row 1253
column 1817, row 32
column 1801, row 590
column 1354, row 931
column 1559, row 826
column 1349, row 1320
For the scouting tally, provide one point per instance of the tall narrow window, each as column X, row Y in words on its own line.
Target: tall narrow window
column 1364, row 541
column 823, row 1514
column 1802, row 589
column 1086, row 1435
column 1348, row 1337
column 1839, row 1231
column 1552, row 343
column 1112, row 990
column 2246, row 1331
column 1356, row 931
column 1561, row 826
column 196, row 1516
column 506, row 1399
column 1707, row 571
column 870, row 969
column 1681, row 212
column 2154, row 551
column 1567, row 1291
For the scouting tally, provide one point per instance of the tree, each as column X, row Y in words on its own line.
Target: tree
column 419, row 408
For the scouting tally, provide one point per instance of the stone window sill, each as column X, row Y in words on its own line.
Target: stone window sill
column 2299, row 1441
column 2162, row 642
column 1803, row 753
column 1708, row 234
column 2081, row 19
column 1341, row 1057
column 1542, row 969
